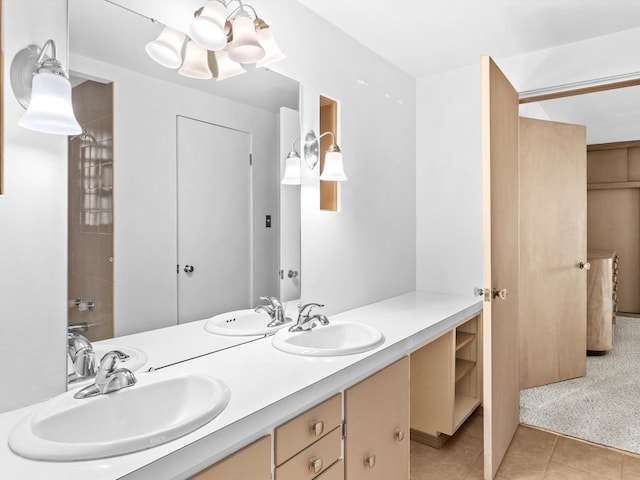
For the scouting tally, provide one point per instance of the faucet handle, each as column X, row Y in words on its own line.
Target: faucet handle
column 273, row 301
column 111, row 359
column 310, row 306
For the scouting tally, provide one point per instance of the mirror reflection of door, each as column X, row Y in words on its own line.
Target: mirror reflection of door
column 289, row 212
column 214, row 219
column 90, row 222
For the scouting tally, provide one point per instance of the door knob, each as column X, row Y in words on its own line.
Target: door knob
column 501, row 294
column 398, row 434
column 478, row 292
column 188, row 268
column 584, row 266
column 292, row 274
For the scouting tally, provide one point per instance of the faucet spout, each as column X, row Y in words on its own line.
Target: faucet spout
column 274, row 309
column 109, row 378
column 306, row 321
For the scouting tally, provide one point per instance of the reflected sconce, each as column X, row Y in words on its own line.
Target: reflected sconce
column 231, row 36
column 196, row 62
column 333, row 170
column 167, row 48
column 41, row 85
column 86, row 139
column 292, row 167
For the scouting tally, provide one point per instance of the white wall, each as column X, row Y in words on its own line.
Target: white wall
column 145, row 110
column 33, row 232
column 448, row 175
column 367, row 251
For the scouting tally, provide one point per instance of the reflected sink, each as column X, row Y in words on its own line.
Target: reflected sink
column 337, row 338
column 157, row 409
column 242, row 323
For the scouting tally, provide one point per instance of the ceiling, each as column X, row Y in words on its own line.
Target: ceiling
column 426, row 36
column 423, row 37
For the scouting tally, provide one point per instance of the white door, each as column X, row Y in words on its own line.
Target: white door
column 289, row 211
column 214, row 219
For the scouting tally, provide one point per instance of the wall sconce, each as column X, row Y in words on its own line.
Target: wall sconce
column 41, row 85
column 333, row 170
column 292, row 167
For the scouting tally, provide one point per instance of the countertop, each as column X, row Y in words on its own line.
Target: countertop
column 268, row 387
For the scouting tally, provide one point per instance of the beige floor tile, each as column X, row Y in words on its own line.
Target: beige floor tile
column 528, row 455
column 472, row 427
column 559, row 471
column 463, row 449
column 589, row 458
column 439, row 471
column 630, row 467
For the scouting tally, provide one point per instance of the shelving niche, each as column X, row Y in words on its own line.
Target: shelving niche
column 446, row 382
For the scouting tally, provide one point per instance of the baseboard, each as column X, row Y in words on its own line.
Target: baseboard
column 435, row 441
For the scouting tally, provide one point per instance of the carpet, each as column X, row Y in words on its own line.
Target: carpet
column 604, row 406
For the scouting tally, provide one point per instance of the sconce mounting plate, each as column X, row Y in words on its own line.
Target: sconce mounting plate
column 23, row 66
column 311, row 149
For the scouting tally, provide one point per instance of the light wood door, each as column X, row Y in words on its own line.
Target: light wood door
column 214, row 220
column 251, row 463
column 553, row 242
column 377, row 415
column 500, row 263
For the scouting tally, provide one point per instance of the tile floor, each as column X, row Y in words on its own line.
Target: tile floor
column 533, row 455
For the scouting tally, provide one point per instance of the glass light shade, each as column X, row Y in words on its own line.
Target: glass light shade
column 207, row 29
column 291, row 170
column 50, row 109
column 272, row 52
column 196, row 62
column 223, row 67
column 167, row 48
column 245, row 48
column 333, row 170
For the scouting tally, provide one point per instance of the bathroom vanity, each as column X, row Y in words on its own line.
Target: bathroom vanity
column 308, row 408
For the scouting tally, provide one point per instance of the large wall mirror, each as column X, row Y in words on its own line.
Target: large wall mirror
column 176, row 211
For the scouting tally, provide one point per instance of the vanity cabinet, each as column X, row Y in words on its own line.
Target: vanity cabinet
column 309, row 445
column 377, row 421
column 446, row 382
column 252, row 462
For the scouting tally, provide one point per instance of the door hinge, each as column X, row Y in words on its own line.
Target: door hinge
column 251, row 159
column 344, row 430
column 281, row 273
column 487, row 295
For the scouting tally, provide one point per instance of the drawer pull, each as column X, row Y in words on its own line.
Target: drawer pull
column 315, row 465
column 370, row 460
column 398, row 434
column 317, row 428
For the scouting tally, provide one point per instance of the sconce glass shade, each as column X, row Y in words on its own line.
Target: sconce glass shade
column 245, row 48
column 272, row 52
column 291, row 169
column 196, row 62
column 167, row 48
column 223, row 67
column 333, row 170
column 207, row 29
column 50, row 109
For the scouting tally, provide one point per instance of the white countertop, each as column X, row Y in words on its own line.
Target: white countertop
column 268, row 387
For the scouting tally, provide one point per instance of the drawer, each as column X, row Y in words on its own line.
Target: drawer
column 306, row 428
column 325, row 452
column 334, row 472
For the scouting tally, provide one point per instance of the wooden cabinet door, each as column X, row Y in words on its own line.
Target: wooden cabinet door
column 501, row 392
column 377, row 417
column 553, row 242
column 251, row 463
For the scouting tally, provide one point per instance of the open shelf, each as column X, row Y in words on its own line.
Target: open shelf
column 463, row 407
column 463, row 339
column 462, row 368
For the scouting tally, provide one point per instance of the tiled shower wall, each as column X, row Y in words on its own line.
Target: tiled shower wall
column 91, row 211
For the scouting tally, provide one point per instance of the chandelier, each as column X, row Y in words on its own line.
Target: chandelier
column 220, row 40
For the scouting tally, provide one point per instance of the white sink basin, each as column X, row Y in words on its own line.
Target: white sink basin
column 242, row 323
column 157, row 409
column 337, row 338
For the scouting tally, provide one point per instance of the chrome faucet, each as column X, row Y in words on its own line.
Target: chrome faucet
column 109, row 378
column 81, row 353
column 306, row 321
column 275, row 310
